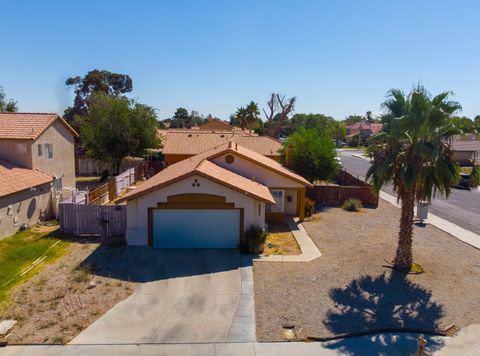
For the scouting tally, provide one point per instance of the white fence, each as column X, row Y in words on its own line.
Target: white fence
column 124, row 180
column 74, row 196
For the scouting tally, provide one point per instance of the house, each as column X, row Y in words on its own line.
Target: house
column 208, row 200
column 363, row 129
column 39, row 141
column 216, row 124
column 181, row 144
column 467, row 151
column 25, row 197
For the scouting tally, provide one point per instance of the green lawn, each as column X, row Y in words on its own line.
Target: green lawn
column 20, row 251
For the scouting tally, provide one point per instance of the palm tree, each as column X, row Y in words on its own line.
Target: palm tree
column 415, row 155
column 252, row 114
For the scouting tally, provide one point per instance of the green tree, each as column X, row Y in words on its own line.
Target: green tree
column 247, row 117
column 311, row 154
column 463, row 124
column 7, row 105
column 352, row 119
column 94, row 82
column 415, row 156
column 116, row 127
column 180, row 119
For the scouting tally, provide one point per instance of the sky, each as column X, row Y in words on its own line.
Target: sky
column 338, row 57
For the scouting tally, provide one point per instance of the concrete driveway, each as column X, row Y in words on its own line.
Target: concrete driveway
column 186, row 296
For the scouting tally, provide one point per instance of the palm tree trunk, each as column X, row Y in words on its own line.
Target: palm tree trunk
column 403, row 258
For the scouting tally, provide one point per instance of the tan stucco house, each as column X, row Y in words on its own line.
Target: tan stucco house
column 208, row 200
column 25, row 197
column 39, row 141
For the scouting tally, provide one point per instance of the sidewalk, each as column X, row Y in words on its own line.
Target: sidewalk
column 444, row 225
column 467, row 342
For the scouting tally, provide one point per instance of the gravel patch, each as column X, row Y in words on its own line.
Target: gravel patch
column 349, row 290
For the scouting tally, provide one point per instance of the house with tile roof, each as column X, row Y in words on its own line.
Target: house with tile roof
column 36, row 155
column 181, row 144
column 363, row 129
column 209, row 199
column 41, row 141
column 25, row 197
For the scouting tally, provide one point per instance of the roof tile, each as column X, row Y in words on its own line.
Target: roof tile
column 14, row 179
column 27, row 126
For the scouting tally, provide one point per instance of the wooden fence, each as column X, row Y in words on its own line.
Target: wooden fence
column 93, row 220
column 334, row 195
column 102, row 194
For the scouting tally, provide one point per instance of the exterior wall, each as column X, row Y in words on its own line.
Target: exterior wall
column 23, row 208
column 137, row 209
column 17, row 151
column 465, row 157
column 249, row 169
column 63, row 162
column 173, row 158
column 291, row 207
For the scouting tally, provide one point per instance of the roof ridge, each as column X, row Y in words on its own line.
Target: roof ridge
column 28, row 113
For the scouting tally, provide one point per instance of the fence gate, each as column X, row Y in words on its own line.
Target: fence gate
column 100, row 220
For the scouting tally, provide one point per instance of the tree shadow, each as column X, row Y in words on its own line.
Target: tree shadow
column 388, row 303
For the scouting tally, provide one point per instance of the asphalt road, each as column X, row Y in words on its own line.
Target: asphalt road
column 461, row 208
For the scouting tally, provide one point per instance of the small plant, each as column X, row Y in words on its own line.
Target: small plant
column 352, row 204
column 255, row 240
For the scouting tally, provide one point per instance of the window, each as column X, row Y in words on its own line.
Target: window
column 39, row 150
column 48, row 151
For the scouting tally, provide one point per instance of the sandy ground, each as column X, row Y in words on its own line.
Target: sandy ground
column 347, row 289
column 64, row 298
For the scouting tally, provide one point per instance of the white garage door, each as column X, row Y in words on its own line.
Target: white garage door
column 195, row 228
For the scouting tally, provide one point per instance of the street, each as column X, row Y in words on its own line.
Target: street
column 461, row 208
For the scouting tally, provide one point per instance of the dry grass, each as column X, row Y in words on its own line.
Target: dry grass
column 282, row 240
column 65, row 298
column 349, row 289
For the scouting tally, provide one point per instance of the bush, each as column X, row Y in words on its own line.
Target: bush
column 105, row 175
column 254, row 240
column 352, row 204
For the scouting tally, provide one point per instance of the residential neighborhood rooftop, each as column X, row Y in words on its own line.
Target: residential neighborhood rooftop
column 27, row 126
column 190, row 142
column 15, row 179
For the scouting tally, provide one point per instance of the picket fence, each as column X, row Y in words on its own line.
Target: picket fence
column 124, row 180
column 93, row 220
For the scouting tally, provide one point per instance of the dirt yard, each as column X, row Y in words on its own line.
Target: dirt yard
column 65, row 297
column 281, row 239
column 347, row 290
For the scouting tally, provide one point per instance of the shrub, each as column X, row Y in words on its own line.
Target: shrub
column 352, row 204
column 105, row 175
column 254, row 240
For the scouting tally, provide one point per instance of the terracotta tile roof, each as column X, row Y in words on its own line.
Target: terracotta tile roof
column 195, row 142
column 216, row 125
column 199, row 165
column 27, row 126
column 15, row 179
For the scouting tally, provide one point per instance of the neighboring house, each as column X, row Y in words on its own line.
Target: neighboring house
column 210, row 199
column 25, row 197
column 466, row 151
column 181, row 144
column 216, row 124
column 363, row 129
column 39, row 141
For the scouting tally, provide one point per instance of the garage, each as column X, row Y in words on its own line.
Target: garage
column 196, row 228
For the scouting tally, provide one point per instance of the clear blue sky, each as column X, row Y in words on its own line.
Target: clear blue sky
column 337, row 57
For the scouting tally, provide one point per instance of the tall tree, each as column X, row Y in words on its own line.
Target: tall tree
column 95, row 82
column 247, row 117
column 181, row 119
column 353, row 119
column 116, row 127
column 279, row 107
column 7, row 105
column 415, row 156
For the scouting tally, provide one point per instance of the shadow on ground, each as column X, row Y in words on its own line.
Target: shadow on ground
column 388, row 302
column 145, row 264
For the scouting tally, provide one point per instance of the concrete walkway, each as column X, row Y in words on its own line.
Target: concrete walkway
column 194, row 296
column 444, row 225
column 308, row 247
column 467, row 342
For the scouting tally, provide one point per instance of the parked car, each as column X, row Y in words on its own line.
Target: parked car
column 339, row 143
column 464, row 181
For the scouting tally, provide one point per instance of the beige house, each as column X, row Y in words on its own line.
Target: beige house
column 39, row 141
column 25, row 197
column 210, row 199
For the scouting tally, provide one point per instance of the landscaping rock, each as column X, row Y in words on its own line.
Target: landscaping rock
column 91, row 285
column 6, row 326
